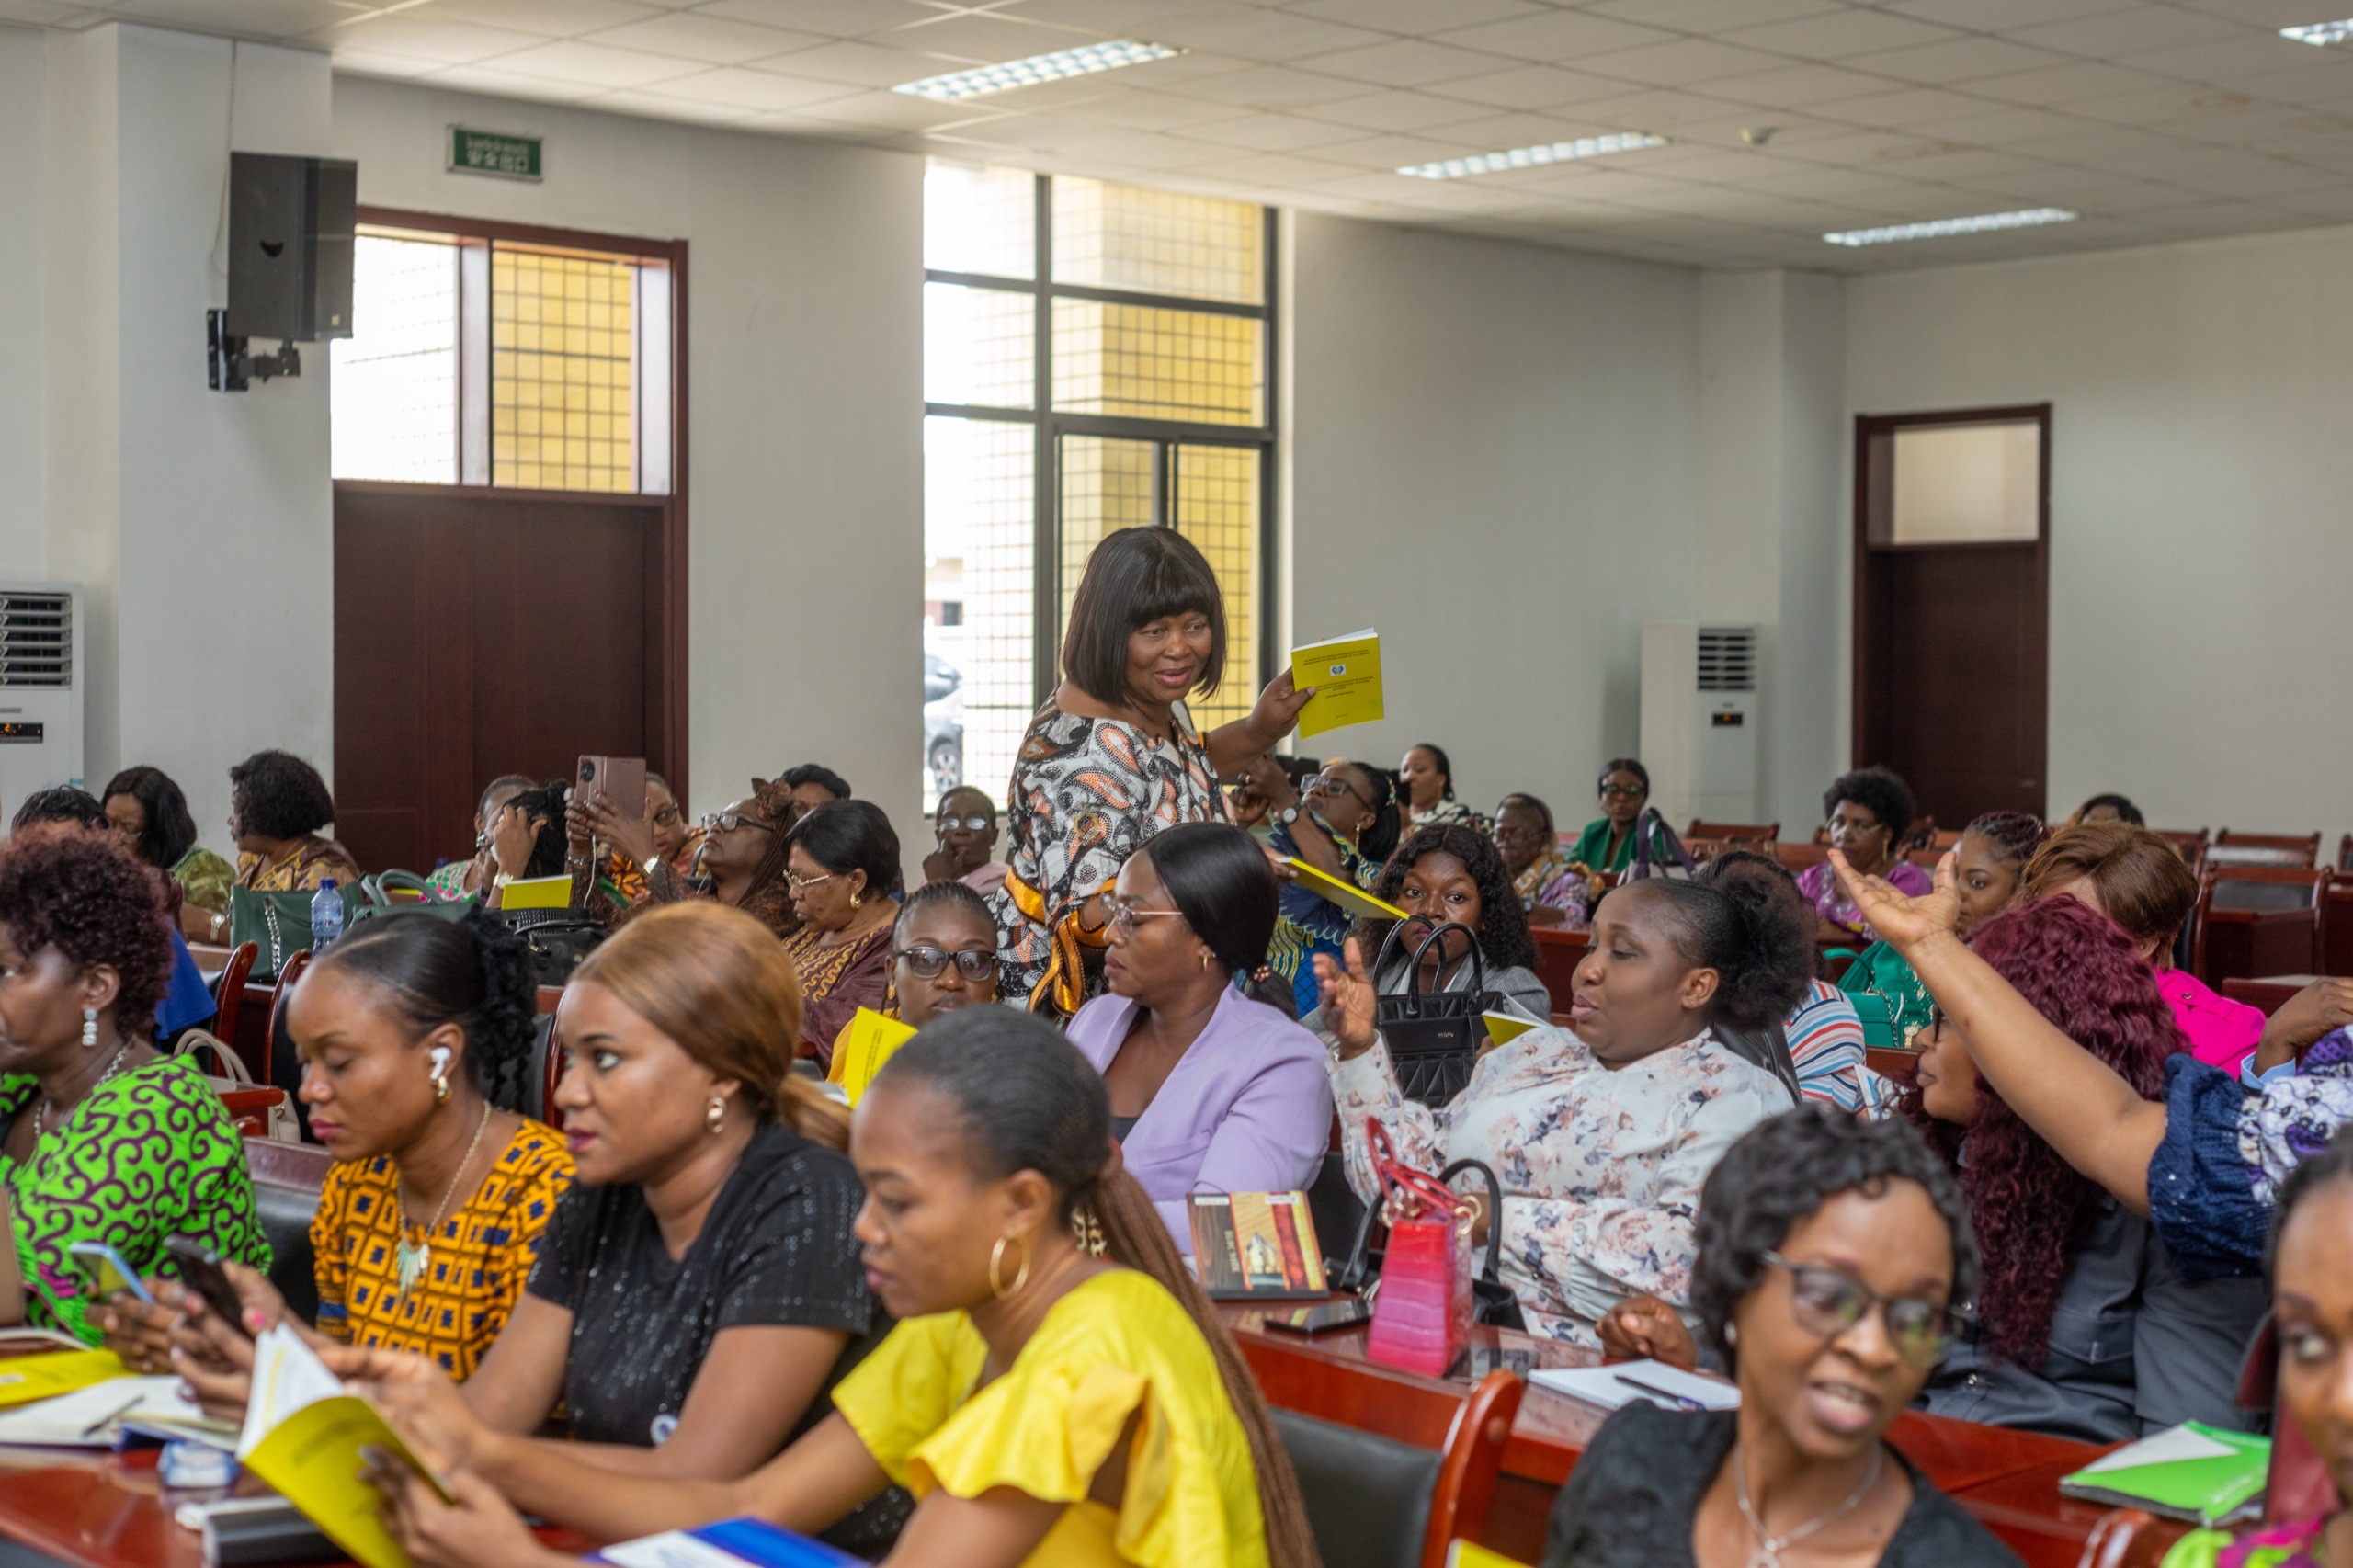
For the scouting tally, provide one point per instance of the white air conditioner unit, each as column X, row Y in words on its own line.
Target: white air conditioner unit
column 1699, row 721
column 40, row 689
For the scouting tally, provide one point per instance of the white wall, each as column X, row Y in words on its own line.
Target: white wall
column 2200, row 535
column 24, row 521
column 1494, row 452
column 804, row 274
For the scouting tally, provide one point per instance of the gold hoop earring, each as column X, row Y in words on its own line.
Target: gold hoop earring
column 997, row 1286
column 716, row 1117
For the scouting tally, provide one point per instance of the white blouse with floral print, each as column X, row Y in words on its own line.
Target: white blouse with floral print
column 1600, row 1168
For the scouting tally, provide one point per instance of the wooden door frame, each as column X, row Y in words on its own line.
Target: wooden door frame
column 1869, row 722
column 666, row 621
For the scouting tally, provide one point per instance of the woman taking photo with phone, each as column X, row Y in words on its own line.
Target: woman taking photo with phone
column 1113, row 756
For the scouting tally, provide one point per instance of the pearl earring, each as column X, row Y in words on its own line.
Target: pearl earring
column 89, row 1029
column 716, row 1117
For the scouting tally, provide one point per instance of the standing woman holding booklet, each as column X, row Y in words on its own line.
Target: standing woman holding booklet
column 1113, row 758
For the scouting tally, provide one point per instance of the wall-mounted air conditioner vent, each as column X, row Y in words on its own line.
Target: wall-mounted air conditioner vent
column 36, row 640
column 1727, row 658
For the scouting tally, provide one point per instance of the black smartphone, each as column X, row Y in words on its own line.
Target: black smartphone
column 200, row 1271
column 1330, row 1317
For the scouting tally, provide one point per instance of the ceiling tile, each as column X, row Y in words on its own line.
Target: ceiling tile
column 1531, row 87
column 552, row 18
column 1155, row 111
column 1414, row 16
column 2056, row 87
column 1956, row 60
column 1276, row 89
column 597, row 66
column 1989, row 125
column 2266, row 14
column 241, row 19
column 695, row 111
column 2335, row 201
column 982, row 38
column 2246, row 54
column 1502, row 131
column 1679, row 63
column 2325, row 83
column 1839, row 35
column 1554, row 36
column 1273, row 169
column 2097, row 146
column 508, row 85
column 1915, row 105
column 900, row 111
column 37, row 13
column 1711, row 15
column 1100, row 19
column 2122, row 31
column 715, row 40
column 1404, row 63
column 1271, row 133
column 455, row 43
column 359, row 63
column 1395, row 111
column 1252, row 32
column 834, row 18
column 859, row 65
column 1800, row 86
column 2004, row 16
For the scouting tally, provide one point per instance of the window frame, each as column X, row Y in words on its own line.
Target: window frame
column 667, row 590
column 1050, row 426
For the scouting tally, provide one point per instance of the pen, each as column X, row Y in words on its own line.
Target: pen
column 110, row 1416
column 1682, row 1401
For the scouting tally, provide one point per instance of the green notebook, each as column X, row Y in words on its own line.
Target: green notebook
column 2191, row 1471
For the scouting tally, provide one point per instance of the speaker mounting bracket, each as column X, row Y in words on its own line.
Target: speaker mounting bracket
column 230, row 366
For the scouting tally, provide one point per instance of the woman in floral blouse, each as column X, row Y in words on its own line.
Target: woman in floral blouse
column 1600, row 1133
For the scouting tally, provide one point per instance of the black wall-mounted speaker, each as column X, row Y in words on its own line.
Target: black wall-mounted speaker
column 291, row 223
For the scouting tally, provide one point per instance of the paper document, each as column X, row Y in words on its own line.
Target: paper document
column 1503, row 1028
column 87, row 1417
column 865, row 1044
column 1344, row 894
column 730, row 1543
column 25, row 1379
column 1346, row 674
column 308, row 1438
column 1610, row 1387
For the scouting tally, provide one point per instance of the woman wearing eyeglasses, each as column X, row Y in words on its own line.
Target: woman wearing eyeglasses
column 1344, row 824
column 1210, row 1090
column 1553, row 889
column 842, row 866
column 1830, row 1250
column 1608, row 843
column 945, row 953
column 967, row 828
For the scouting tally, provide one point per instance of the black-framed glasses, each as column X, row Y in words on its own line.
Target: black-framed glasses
column 1328, row 783
column 1125, row 912
column 930, row 964
column 1634, row 789
column 1828, row 1301
column 728, row 822
column 667, row 816
column 970, row 824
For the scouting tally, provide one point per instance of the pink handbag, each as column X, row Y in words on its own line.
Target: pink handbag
column 1421, row 1315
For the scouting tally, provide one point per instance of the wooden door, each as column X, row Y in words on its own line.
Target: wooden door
column 482, row 632
column 1951, row 639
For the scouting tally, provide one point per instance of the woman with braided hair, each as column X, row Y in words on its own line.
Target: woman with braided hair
column 1058, row 1389
column 1994, row 851
column 415, row 1036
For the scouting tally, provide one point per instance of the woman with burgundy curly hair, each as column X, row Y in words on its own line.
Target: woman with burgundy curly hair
column 105, row 1141
column 2064, row 1262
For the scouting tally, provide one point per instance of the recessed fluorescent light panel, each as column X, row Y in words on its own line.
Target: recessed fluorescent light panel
column 1065, row 62
column 2322, row 32
column 1533, row 158
column 1943, row 228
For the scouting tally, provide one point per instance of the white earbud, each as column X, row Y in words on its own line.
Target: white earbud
column 441, row 1062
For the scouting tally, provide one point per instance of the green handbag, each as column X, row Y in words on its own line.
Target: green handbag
column 277, row 922
column 376, row 898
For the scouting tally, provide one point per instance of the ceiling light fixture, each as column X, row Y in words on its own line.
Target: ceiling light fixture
column 2322, row 32
column 1942, row 228
column 1532, row 157
column 1063, row 64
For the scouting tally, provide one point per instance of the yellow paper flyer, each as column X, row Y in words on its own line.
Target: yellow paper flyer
column 1346, row 674
column 24, row 1379
column 865, row 1044
column 1344, row 894
column 1503, row 1028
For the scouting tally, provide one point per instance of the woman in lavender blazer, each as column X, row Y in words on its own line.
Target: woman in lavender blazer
column 1210, row 1090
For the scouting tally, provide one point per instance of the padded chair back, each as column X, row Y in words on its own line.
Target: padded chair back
column 2265, row 848
column 1368, row 1496
column 1335, row 1206
column 547, row 1067
column 229, row 996
column 287, row 1179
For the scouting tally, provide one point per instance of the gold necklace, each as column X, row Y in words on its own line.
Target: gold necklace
column 409, row 1262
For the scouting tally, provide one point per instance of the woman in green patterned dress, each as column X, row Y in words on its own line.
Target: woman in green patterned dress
column 105, row 1139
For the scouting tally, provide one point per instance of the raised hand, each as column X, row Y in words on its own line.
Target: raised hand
column 1903, row 922
column 1350, row 1004
column 416, row 1397
column 1277, row 711
column 2318, row 1009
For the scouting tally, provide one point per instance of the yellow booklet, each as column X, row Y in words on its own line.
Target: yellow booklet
column 1460, row 1554
column 865, row 1044
column 24, row 1379
column 1503, row 1028
column 1347, row 894
column 1346, row 674
column 537, row 893
column 310, row 1439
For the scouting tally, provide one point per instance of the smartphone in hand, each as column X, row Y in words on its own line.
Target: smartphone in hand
column 106, row 1271
column 200, row 1271
column 620, row 781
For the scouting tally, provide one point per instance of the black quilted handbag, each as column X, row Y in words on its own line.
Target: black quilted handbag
column 1433, row 1036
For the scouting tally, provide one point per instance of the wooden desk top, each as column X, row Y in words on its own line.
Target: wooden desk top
column 97, row 1509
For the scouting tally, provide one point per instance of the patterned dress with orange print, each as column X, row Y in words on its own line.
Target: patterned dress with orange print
column 1086, row 794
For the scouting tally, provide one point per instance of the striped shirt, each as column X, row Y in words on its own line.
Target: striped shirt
column 1826, row 1043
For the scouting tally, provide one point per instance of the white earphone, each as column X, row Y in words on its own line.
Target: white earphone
column 441, row 1062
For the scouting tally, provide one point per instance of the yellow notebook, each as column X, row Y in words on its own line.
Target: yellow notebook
column 537, row 893
column 1347, row 894
column 1346, row 674
column 24, row 1379
column 865, row 1044
column 310, row 1439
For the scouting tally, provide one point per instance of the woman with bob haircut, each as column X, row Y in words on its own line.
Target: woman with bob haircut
column 1210, row 1089
column 146, row 807
column 1113, row 756
column 1830, row 1253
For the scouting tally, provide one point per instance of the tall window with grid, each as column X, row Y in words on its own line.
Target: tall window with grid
column 1097, row 356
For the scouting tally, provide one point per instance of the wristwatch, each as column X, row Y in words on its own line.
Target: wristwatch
column 1287, row 815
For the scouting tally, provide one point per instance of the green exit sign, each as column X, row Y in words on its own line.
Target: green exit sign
column 494, row 152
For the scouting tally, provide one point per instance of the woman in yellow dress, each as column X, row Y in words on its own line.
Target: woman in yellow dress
column 1058, row 1392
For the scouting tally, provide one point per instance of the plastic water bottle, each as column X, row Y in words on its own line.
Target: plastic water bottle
column 326, row 918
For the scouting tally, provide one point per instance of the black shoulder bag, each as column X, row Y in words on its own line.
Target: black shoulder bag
column 1433, row 1036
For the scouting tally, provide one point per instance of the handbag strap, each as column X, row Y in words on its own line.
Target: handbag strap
column 1414, row 992
column 1492, row 1270
column 198, row 1041
column 1649, row 828
column 1404, row 1191
column 277, row 937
